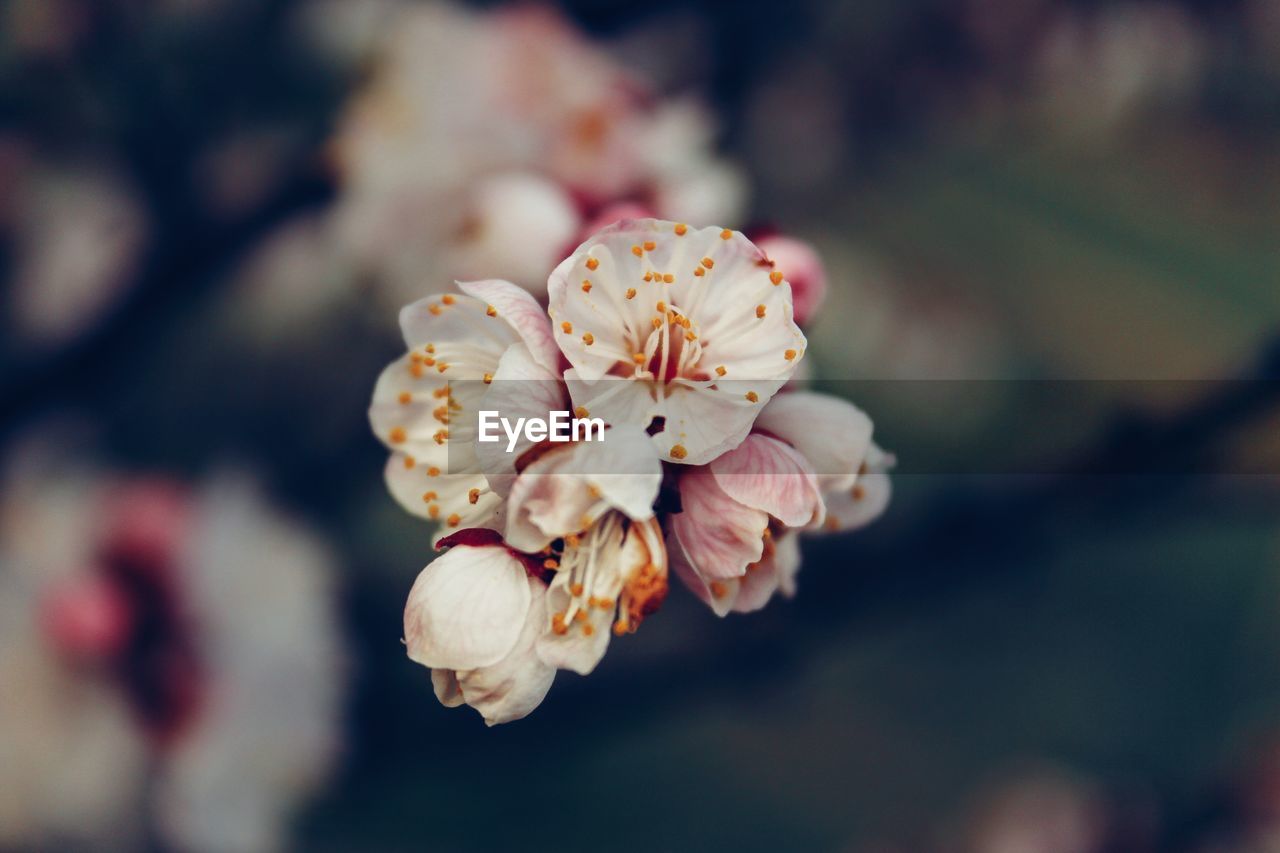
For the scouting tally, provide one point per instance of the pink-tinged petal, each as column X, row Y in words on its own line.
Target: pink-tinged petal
column 521, row 312
column 466, row 609
column 718, row 535
column 569, row 486
column 513, row 687
column 521, row 388
column 832, row 434
column 719, row 595
column 768, row 475
column 445, row 684
column 612, row 215
column 786, row 562
column 867, row 499
column 756, row 588
column 802, row 268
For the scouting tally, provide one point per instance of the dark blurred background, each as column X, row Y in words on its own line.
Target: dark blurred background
column 1011, row 195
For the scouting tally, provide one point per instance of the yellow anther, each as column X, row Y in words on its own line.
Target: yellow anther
column 409, row 462
column 558, row 625
column 661, row 307
column 637, row 251
column 753, row 397
column 473, row 496
column 580, row 412
column 721, row 370
column 448, row 299
column 699, row 272
column 708, row 263
column 592, row 263
column 442, row 366
column 415, row 370
column 566, row 327
column 639, row 358
column 429, row 362
column 491, row 311
column 441, row 436
column 587, row 629
column 488, row 379
column 586, row 286
column 678, row 452
column 760, row 312
column 550, row 563
column 434, row 309
column 726, row 234
column 433, row 471
column 789, row 355
column 398, row 435
column 649, row 245
column 620, row 627
column 775, row 277
column 431, row 348
column 668, row 278
column 657, row 322
column 648, row 276
column 588, row 339
column 681, row 229
column 690, row 337
column 428, row 497
column 454, row 520
column 405, row 398
column 434, row 510
column 572, row 540
column 631, row 293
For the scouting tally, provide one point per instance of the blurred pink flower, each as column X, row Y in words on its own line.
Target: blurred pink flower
column 804, row 270
column 183, row 650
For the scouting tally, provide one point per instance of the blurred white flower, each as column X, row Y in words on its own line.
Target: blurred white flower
column 179, row 654
column 1097, row 71
column 79, row 233
column 484, row 141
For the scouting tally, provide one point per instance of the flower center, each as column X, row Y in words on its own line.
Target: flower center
column 668, row 349
column 616, row 565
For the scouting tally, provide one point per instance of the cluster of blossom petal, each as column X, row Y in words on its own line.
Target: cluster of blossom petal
column 169, row 661
column 681, row 340
column 499, row 181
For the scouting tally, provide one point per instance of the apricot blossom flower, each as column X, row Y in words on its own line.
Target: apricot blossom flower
column 686, row 332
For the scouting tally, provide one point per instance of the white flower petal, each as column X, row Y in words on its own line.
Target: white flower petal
column 569, row 487
column 515, row 685
column 695, row 316
column 523, row 314
column 466, row 608
column 867, row 499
